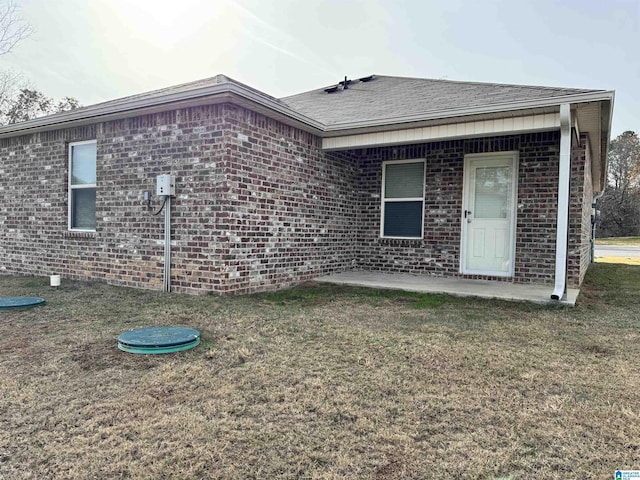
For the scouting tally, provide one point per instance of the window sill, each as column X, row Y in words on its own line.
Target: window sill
column 79, row 234
column 400, row 241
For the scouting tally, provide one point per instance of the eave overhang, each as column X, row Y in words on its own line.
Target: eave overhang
column 125, row 108
column 500, row 119
column 538, row 114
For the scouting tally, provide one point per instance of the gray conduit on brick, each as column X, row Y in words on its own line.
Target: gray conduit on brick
column 166, row 282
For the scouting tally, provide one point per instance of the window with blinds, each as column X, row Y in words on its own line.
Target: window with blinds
column 402, row 199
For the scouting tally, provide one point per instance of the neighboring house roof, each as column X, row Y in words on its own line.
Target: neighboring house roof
column 383, row 104
column 382, row 98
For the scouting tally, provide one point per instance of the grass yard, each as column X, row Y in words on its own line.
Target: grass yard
column 624, row 260
column 619, row 241
column 322, row 382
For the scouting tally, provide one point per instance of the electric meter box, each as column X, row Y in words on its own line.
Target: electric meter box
column 165, row 186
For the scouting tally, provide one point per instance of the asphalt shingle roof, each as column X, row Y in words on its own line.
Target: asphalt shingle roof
column 386, row 97
column 382, row 100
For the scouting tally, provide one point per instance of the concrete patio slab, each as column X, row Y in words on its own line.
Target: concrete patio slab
column 453, row 286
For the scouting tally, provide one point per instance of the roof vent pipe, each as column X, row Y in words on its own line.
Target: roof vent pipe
column 562, row 229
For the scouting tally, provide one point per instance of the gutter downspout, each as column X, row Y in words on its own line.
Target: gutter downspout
column 562, row 229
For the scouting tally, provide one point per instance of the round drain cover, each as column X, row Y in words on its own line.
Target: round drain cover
column 19, row 302
column 158, row 340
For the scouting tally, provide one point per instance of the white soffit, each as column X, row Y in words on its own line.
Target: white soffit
column 588, row 118
column 476, row 128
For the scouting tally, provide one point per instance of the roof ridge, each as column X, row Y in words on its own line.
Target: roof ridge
column 499, row 84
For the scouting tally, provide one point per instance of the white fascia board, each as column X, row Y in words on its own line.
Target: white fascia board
column 477, row 128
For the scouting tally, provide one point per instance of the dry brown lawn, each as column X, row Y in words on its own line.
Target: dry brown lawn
column 620, row 241
column 322, row 382
column 624, row 260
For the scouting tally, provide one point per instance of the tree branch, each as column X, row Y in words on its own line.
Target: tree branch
column 13, row 28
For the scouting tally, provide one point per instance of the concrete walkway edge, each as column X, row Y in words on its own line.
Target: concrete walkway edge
column 523, row 292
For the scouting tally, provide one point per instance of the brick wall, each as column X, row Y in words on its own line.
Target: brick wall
column 127, row 246
column 439, row 251
column 291, row 208
column 579, row 247
column 249, row 214
column 190, row 144
column 259, row 205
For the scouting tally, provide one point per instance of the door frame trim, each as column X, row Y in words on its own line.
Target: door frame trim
column 513, row 155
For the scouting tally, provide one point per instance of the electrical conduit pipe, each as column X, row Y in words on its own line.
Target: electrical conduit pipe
column 166, row 283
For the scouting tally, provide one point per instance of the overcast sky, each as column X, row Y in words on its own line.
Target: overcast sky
column 98, row 50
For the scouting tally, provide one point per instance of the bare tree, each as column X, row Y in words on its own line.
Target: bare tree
column 624, row 161
column 620, row 204
column 9, row 84
column 13, row 27
column 18, row 100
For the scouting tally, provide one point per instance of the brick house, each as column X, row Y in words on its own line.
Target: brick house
column 384, row 174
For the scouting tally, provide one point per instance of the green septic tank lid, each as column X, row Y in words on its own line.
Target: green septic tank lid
column 154, row 340
column 7, row 303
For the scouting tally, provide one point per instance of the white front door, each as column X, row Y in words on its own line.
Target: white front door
column 488, row 214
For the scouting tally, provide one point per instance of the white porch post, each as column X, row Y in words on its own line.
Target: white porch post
column 562, row 229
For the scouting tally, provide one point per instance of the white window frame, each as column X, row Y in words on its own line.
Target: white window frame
column 383, row 200
column 77, row 187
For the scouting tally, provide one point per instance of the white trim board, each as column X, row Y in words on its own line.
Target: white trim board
column 479, row 128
